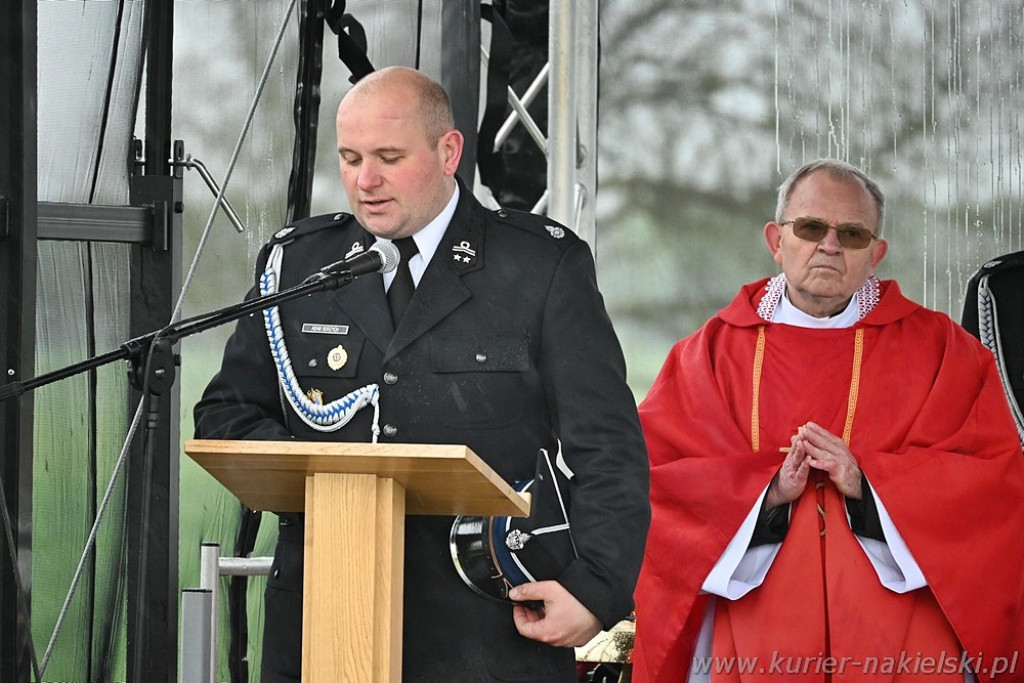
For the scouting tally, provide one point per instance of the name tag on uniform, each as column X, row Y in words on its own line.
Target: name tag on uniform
column 324, row 328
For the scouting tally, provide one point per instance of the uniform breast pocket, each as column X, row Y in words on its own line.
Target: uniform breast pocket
column 321, row 363
column 483, row 379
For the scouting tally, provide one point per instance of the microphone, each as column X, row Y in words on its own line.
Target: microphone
column 382, row 257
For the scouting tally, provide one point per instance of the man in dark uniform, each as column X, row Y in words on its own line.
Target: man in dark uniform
column 505, row 347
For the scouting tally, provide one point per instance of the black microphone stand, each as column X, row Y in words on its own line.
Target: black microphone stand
column 157, row 345
column 152, row 365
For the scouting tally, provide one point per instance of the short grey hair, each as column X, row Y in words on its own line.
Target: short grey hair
column 839, row 170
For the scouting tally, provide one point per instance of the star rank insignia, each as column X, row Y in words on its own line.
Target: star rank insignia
column 463, row 253
column 555, row 231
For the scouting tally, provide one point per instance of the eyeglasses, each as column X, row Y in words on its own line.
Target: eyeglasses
column 814, row 230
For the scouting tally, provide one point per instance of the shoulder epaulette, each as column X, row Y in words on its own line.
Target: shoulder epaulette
column 307, row 226
column 1007, row 261
column 539, row 225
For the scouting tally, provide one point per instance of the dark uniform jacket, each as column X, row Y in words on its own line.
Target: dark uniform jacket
column 997, row 319
column 507, row 348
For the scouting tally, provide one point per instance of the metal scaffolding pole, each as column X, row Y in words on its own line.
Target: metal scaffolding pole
column 562, row 112
column 572, row 115
column 586, row 115
column 17, row 329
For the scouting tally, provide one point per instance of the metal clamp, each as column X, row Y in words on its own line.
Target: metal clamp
column 191, row 162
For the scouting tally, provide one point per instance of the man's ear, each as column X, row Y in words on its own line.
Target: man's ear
column 773, row 237
column 878, row 251
column 450, row 145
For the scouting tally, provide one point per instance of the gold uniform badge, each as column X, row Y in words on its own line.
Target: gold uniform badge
column 337, row 357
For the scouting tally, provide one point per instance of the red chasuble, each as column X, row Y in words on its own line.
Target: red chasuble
column 926, row 417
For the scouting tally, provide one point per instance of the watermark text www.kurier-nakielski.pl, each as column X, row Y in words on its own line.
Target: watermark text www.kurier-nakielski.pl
column 907, row 663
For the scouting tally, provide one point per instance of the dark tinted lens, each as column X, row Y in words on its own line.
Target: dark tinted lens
column 850, row 236
column 854, row 237
column 810, row 229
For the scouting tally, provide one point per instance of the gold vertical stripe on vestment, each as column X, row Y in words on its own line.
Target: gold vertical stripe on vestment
column 755, row 420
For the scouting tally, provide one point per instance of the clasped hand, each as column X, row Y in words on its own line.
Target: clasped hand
column 815, row 447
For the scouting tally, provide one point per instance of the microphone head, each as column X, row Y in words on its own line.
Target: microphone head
column 389, row 256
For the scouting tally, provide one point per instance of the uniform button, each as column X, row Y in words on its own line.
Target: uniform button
column 503, row 213
column 390, row 430
column 390, row 378
column 312, row 362
column 481, row 358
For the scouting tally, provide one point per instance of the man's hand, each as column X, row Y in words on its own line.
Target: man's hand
column 827, row 452
column 562, row 621
column 791, row 479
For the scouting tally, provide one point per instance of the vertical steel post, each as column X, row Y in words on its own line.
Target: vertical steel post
column 587, row 93
column 562, row 112
column 17, row 324
column 153, row 463
column 196, row 606
column 209, row 579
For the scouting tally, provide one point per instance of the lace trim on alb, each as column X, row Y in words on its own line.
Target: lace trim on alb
column 868, row 297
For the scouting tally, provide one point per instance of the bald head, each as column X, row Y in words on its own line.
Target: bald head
column 398, row 151
column 433, row 108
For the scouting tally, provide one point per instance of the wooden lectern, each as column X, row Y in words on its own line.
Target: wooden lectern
column 355, row 497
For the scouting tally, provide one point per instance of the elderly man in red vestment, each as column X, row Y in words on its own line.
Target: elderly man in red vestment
column 837, row 485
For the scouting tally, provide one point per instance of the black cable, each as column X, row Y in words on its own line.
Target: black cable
column 93, row 418
column 111, row 76
column 135, row 672
column 106, row 649
column 419, row 32
column 93, row 455
column 19, row 588
column 238, row 645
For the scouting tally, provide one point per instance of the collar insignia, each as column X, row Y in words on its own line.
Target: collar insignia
column 556, row 231
column 463, row 253
column 357, row 248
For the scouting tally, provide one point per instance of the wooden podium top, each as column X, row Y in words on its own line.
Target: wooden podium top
column 438, row 479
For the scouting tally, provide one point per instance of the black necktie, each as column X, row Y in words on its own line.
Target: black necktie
column 402, row 288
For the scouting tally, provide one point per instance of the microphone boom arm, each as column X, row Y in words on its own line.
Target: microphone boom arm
column 135, row 350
